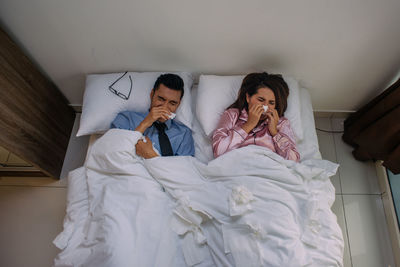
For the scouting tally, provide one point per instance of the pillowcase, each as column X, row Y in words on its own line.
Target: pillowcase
column 101, row 105
column 308, row 147
column 216, row 93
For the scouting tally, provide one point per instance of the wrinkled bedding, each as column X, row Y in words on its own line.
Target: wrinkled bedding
column 249, row 207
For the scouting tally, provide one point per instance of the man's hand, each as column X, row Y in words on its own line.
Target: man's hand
column 156, row 113
column 145, row 150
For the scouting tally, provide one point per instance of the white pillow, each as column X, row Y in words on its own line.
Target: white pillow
column 101, row 106
column 216, row 93
column 308, row 147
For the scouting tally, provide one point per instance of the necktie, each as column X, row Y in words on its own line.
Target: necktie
column 165, row 145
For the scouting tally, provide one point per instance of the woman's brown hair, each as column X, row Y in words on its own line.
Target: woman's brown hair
column 254, row 81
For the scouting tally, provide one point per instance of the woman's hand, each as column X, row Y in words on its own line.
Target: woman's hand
column 255, row 112
column 273, row 119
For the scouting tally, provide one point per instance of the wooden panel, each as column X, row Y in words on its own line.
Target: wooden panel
column 373, row 111
column 35, row 121
column 374, row 130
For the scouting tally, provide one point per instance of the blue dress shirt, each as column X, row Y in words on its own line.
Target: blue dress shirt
column 179, row 135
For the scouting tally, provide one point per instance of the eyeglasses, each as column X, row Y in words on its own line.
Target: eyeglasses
column 116, row 92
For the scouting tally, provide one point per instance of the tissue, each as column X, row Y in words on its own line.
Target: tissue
column 172, row 115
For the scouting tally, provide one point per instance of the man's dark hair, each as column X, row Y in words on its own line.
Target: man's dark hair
column 172, row 81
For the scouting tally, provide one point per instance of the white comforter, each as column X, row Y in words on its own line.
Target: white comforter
column 249, row 207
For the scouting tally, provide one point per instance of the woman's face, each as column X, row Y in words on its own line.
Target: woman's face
column 264, row 96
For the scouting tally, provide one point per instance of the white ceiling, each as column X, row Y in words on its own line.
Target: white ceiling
column 344, row 51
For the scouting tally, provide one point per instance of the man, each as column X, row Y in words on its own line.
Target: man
column 170, row 137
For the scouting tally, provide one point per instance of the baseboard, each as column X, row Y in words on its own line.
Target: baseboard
column 332, row 113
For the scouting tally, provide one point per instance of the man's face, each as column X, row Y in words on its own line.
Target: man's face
column 165, row 97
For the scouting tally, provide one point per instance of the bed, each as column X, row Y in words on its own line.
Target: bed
column 249, row 207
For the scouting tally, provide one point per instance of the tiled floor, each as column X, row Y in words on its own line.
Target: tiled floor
column 358, row 204
column 32, row 209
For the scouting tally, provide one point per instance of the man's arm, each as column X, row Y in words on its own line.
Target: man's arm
column 142, row 127
column 154, row 114
column 145, row 149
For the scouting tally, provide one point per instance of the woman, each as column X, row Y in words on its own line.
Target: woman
column 246, row 122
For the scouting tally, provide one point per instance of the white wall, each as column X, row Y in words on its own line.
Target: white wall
column 343, row 51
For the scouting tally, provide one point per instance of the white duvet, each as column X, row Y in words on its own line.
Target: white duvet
column 249, row 207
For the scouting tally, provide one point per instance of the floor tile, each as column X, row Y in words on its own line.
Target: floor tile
column 31, row 217
column 367, row 229
column 76, row 152
column 356, row 177
column 327, row 147
column 338, row 209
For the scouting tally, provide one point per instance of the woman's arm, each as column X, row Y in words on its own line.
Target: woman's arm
column 227, row 136
column 285, row 143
